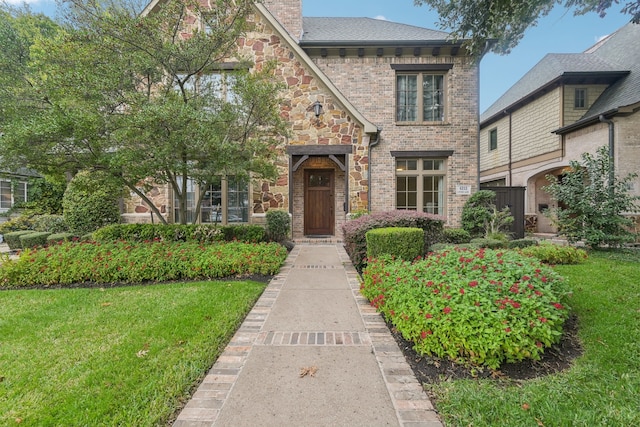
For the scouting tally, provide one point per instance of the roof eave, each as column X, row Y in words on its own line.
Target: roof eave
column 376, row 43
column 585, row 122
column 563, row 78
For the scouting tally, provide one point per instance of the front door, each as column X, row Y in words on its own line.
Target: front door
column 319, row 202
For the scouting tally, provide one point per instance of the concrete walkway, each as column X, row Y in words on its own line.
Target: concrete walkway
column 312, row 352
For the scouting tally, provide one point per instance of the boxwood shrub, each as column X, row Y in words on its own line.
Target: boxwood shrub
column 204, row 233
column 13, row 238
column 455, row 235
column 400, row 242
column 32, row 240
column 550, row 253
column 354, row 231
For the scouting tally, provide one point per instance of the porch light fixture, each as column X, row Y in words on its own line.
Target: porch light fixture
column 317, row 108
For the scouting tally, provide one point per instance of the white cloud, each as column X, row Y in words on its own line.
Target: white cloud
column 380, row 17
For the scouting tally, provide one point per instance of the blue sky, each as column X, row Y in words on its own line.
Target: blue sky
column 559, row 32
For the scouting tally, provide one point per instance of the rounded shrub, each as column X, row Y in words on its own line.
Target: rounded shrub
column 50, row 223
column 278, row 225
column 61, row 237
column 476, row 212
column 455, row 235
column 550, row 253
column 403, row 243
column 489, row 243
column 479, row 307
column 521, row 243
column 91, row 201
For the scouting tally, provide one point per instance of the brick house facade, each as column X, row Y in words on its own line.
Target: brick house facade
column 563, row 107
column 398, row 126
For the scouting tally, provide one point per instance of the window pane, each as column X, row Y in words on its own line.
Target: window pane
column 433, row 194
column 493, row 139
column 407, row 98
column 238, row 200
column 211, row 208
column 406, row 192
column 5, row 194
column 433, row 97
column 433, row 165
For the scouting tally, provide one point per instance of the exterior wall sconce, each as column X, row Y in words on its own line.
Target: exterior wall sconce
column 317, row 108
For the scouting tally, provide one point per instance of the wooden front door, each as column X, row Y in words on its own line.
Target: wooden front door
column 319, row 202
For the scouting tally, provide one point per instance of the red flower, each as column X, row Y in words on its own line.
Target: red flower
column 539, row 344
column 507, row 330
column 423, row 334
column 462, row 291
column 428, row 316
column 558, row 306
column 473, row 283
column 447, row 310
column 542, row 319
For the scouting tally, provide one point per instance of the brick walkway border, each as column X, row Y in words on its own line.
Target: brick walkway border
column 412, row 405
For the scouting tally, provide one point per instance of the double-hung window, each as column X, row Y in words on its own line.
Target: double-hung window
column 493, row 139
column 421, row 184
column 580, row 99
column 218, row 84
column 12, row 193
column 420, row 97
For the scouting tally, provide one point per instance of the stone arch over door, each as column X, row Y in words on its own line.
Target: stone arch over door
column 303, row 159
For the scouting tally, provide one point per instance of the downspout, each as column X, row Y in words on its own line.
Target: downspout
column 510, row 148
column 371, row 145
column 611, row 151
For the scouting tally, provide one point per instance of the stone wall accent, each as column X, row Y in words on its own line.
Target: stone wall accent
column 136, row 210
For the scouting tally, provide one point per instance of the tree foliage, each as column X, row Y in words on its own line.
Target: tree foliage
column 481, row 217
column 593, row 203
column 129, row 95
column 500, row 25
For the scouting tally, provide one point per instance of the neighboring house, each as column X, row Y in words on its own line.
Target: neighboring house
column 566, row 105
column 382, row 116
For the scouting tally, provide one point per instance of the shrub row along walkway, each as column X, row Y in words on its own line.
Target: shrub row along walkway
column 312, row 352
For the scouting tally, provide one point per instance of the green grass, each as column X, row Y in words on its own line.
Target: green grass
column 603, row 386
column 117, row 356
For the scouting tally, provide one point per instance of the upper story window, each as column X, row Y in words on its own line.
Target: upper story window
column 216, row 83
column 420, row 97
column 580, row 98
column 493, row 139
column 12, row 193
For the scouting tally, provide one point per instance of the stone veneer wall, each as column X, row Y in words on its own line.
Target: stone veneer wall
column 301, row 89
column 369, row 83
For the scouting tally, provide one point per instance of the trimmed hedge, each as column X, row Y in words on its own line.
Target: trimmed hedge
column 204, row 233
column 13, row 239
column 489, row 243
column 521, row 243
column 32, row 240
column 278, row 225
column 400, row 242
column 354, row 231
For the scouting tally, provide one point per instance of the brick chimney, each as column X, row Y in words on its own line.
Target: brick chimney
column 288, row 13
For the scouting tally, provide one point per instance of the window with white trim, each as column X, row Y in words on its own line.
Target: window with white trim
column 421, row 185
column 420, row 97
column 218, row 84
column 12, row 192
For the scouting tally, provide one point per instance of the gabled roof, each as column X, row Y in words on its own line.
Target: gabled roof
column 366, row 31
column 615, row 61
column 368, row 126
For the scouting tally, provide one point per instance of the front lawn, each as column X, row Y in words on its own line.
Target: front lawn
column 603, row 386
column 116, row 356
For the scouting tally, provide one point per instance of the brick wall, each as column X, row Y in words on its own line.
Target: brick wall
column 369, row 83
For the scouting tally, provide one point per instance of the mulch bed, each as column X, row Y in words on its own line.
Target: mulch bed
column 432, row 370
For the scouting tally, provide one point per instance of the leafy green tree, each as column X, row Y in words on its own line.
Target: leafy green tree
column 504, row 22
column 593, row 204
column 134, row 96
column 481, row 217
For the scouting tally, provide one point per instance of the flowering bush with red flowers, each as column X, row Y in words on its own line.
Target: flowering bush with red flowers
column 480, row 307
